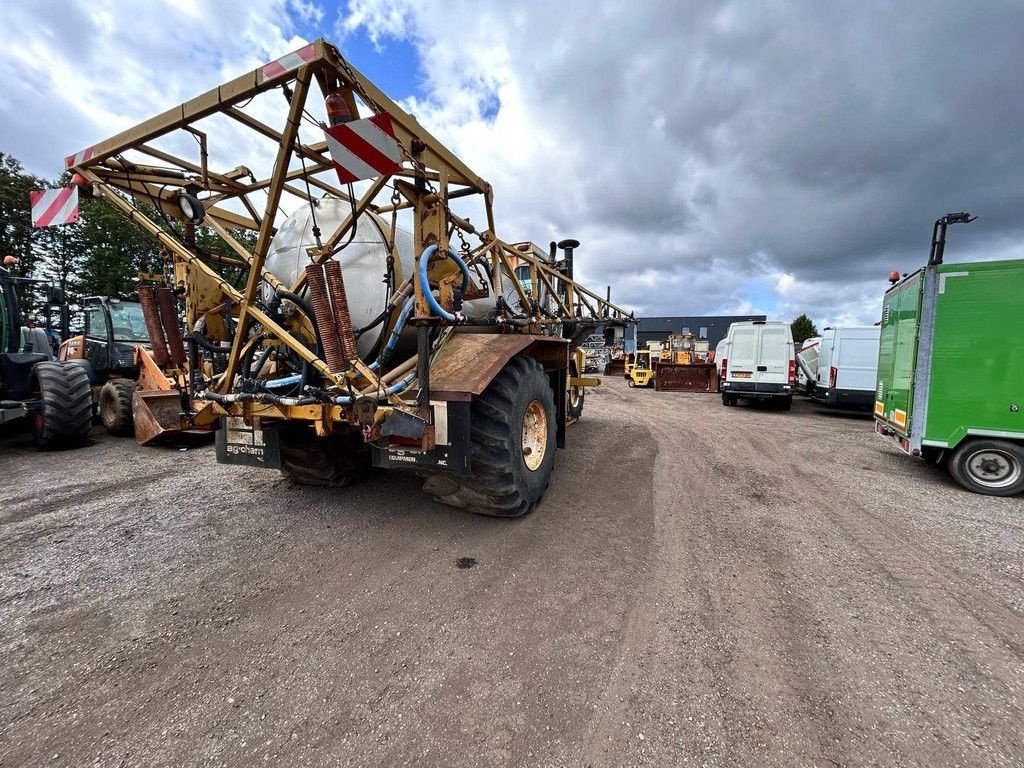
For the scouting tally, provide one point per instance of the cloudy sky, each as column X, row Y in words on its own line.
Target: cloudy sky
column 712, row 157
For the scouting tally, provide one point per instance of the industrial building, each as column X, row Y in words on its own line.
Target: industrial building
column 713, row 328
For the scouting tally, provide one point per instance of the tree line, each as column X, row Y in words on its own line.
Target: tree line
column 102, row 254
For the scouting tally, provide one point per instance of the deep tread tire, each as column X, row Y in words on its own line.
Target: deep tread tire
column 116, row 406
column 334, row 462
column 65, row 417
column 574, row 410
column 1010, row 453
column 502, row 485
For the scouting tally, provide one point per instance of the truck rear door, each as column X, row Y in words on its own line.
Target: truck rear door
column 898, row 354
column 773, row 355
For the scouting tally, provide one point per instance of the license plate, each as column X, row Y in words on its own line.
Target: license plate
column 741, row 374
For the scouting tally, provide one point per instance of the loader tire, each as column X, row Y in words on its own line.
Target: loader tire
column 65, row 415
column 574, row 396
column 116, row 406
column 336, row 461
column 512, row 445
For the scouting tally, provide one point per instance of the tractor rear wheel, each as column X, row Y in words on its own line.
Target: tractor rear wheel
column 335, row 461
column 116, row 406
column 65, row 415
column 512, row 450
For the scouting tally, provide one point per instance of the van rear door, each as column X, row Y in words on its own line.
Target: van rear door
column 742, row 353
column 774, row 354
column 856, row 359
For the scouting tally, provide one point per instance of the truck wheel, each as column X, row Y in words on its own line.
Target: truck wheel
column 574, row 396
column 336, row 461
column 512, row 450
column 65, row 417
column 991, row 467
column 116, row 406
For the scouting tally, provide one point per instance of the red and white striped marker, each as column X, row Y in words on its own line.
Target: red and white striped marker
column 73, row 160
column 293, row 60
column 364, row 149
column 54, row 206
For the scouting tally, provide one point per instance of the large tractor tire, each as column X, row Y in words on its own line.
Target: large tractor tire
column 574, row 396
column 991, row 467
column 512, row 450
column 336, row 461
column 65, row 417
column 116, row 406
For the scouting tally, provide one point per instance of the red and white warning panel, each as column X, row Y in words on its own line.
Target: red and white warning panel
column 364, row 149
column 287, row 63
column 54, row 206
column 81, row 157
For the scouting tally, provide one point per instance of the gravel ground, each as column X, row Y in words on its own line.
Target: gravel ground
column 701, row 586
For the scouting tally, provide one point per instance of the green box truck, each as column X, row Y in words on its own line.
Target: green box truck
column 951, row 367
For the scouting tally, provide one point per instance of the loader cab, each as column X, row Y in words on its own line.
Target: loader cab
column 112, row 329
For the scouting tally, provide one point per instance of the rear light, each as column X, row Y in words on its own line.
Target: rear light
column 832, row 376
column 792, row 372
column 725, row 368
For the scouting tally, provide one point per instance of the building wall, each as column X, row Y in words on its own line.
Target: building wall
column 711, row 327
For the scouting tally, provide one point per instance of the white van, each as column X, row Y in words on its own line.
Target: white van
column 848, row 367
column 759, row 363
column 721, row 350
column 807, row 365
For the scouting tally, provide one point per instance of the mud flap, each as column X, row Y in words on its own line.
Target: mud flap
column 451, row 444
column 238, row 443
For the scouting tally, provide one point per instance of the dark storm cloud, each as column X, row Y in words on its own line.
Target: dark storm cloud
column 751, row 139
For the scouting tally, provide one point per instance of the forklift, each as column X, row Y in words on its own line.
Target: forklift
column 55, row 397
column 107, row 350
column 640, row 373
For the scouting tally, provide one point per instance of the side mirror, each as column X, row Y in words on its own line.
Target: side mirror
column 54, row 295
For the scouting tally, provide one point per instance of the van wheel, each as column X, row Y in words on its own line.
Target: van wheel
column 512, row 451
column 990, row 467
column 786, row 404
column 728, row 399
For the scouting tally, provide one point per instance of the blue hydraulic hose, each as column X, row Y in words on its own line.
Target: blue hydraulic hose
column 392, row 390
column 396, row 333
column 425, row 283
column 287, row 381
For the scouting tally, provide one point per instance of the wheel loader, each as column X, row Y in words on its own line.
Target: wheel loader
column 53, row 396
column 130, row 367
column 378, row 325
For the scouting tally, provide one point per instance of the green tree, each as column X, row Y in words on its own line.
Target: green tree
column 18, row 238
column 803, row 328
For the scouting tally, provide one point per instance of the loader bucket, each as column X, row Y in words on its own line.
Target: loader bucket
column 157, row 413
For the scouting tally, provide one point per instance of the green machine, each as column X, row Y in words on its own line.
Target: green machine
column 951, row 367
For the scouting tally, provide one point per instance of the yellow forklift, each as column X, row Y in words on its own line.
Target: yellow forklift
column 640, row 373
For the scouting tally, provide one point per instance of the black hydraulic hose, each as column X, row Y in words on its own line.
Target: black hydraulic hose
column 373, row 323
column 307, row 310
column 250, row 352
column 209, row 346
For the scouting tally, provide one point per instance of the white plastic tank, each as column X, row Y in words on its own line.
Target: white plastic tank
column 363, row 263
